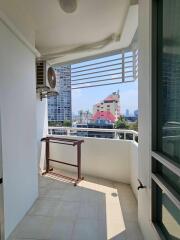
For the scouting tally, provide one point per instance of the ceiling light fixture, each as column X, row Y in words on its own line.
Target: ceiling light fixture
column 68, row 6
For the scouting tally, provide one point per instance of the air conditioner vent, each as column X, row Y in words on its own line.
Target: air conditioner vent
column 45, row 79
column 41, row 73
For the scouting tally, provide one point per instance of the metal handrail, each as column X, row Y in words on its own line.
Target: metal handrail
column 69, row 130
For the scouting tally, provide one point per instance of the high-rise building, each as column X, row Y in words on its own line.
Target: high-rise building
column 136, row 113
column 108, row 109
column 59, row 107
column 127, row 112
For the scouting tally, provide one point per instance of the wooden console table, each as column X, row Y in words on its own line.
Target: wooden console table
column 64, row 141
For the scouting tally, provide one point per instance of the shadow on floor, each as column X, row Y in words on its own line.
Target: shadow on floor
column 96, row 209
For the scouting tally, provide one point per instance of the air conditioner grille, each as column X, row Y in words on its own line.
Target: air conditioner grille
column 40, row 65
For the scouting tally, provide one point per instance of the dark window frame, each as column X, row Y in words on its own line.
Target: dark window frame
column 156, row 180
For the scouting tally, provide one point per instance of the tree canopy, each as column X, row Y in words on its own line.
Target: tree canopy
column 121, row 123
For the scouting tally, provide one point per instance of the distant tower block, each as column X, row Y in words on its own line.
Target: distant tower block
column 59, row 107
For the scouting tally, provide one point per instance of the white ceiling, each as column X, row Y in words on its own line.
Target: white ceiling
column 93, row 21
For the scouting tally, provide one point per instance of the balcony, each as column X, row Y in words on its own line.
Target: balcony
column 109, row 158
column 110, row 166
column 96, row 209
column 102, row 206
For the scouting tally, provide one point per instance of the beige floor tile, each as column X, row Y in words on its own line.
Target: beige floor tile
column 74, row 194
column 104, row 189
column 130, row 216
column 106, row 183
column 35, row 227
column 61, row 229
column 44, row 181
column 43, row 190
column 90, row 187
column 45, row 207
column 88, row 210
column 89, row 195
column 101, row 211
column 54, row 193
column 133, row 231
column 121, row 185
column 57, row 184
column 125, row 192
column 128, row 204
column 85, row 229
column 68, row 210
column 102, row 229
column 95, row 209
column 116, row 229
column 91, row 179
column 111, row 200
column 114, row 212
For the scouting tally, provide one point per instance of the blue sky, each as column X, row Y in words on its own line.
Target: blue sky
column 85, row 98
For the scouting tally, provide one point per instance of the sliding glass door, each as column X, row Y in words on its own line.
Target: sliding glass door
column 166, row 118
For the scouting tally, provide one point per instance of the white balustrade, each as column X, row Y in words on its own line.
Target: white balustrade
column 73, row 131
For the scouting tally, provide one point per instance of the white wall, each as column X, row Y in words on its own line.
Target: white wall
column 134, row 167
column 42, row 129
column 18, row 121
column 17, row 13
column 144, row 131
column 105, row 158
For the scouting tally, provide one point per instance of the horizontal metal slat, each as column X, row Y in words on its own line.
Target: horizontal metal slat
column 115, row 69
column 103, row 80
column 110, row 74
column 111, row 65
column 99, row 85
column 93, row 64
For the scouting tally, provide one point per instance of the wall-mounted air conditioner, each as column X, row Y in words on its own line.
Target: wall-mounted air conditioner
column 45, row 79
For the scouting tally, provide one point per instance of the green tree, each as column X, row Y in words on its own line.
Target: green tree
column 134, row 126
column 80, row 116
column 50, row 123
column 67, row 123
column 121, row 123
column 55, row 123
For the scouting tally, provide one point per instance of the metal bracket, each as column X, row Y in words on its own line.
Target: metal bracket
column 140, row 185
column 1, row 180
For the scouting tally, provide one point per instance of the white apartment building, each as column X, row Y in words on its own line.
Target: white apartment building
column 110, row 104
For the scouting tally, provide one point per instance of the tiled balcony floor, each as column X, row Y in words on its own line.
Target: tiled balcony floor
column 97, row 209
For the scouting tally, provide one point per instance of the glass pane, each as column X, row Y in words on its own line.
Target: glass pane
column 169, row 79
column 172, row 179
column 168, row 216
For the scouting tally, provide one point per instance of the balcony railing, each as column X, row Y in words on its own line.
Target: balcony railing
column 103, row 157
column 123, row 134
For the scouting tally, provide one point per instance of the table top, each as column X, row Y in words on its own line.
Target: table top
column 60, row 140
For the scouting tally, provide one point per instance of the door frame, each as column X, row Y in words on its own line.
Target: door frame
column 156, row 180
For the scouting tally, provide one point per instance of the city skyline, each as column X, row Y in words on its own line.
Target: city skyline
column 128, row 97
column 85, row 98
